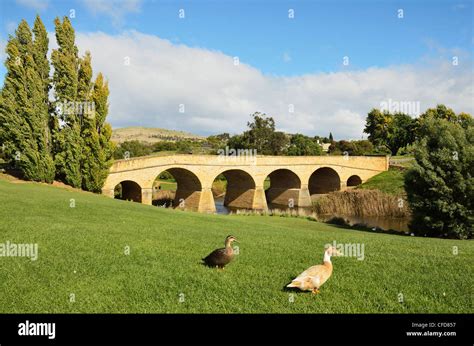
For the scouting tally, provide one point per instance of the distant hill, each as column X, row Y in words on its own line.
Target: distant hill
column 151, row 135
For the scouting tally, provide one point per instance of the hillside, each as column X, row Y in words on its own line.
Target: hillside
column 390, row 182
column 150, row 135
column 82, row 239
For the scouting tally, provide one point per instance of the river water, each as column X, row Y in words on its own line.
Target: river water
column 385, row 223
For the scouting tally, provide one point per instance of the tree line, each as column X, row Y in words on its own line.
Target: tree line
column 398, row 130
column 52, row 126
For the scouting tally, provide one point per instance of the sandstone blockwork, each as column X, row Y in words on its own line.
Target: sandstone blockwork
column 292, row 180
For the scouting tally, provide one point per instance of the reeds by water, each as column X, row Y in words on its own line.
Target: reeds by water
column 361, row 203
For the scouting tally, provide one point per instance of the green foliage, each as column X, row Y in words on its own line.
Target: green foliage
column 218, row 141
column 394, row 131
column 136, row 148
column 361, row 147
column 96, row 133
column 443, row 112
column 164, row 146
column 66, row 65
column 42, row 131
column 440, row 185
column 301, row 145
column 278, row 144
column 238, row 142
column 260, row 133
column 129, row 149
column 32, row 130
column 68, row 138
column 260, row 136
column 24, row 131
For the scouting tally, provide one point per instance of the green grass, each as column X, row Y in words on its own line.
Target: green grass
column 168, row 184
column 390, row 182
column 81, row 251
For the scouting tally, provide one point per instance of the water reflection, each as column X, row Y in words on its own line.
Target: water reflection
column 385, row 223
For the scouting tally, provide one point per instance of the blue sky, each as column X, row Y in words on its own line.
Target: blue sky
column 260, row 33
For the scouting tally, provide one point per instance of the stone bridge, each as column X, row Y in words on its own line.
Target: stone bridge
column 292, row 178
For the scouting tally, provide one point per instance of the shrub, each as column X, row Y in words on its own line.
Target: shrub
column 440, row 185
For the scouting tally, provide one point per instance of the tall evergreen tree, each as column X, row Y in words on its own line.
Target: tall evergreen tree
column 23, row 128
column 68, row 139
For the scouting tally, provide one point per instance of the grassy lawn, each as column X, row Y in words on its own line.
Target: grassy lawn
column 167, row 184
column 81, row 252
column 390, row 182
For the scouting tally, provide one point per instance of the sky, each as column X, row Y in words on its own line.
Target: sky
column 314, row 66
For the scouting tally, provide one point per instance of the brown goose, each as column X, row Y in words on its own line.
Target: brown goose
column 220, row 257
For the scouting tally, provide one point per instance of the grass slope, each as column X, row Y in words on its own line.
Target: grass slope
column 81, row 251
column 390, row 182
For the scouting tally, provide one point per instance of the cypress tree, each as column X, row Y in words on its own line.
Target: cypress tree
column 67, row 127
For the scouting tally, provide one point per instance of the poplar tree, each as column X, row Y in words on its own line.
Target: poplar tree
column 73, row 128
column 23, row 110
column 68, row 139
column 98, row 148
column 43, row 131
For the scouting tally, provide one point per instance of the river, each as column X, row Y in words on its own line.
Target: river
column 385, row 223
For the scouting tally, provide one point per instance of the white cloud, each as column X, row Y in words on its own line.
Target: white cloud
column 219, row 96
column 34, row 4
column 115, row 9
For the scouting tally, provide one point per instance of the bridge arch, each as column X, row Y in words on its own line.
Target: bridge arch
column 240, row 190
column 194, row 174
column 354, row 180
column 128, row 190
column 284, row 188
column 324, row 180
column 188, row 188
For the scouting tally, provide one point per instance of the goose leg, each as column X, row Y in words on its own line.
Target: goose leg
column 315, row 290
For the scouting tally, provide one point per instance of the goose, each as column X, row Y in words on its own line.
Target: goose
column 221, row 257
column 314, row 277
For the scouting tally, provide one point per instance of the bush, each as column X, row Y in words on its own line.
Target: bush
column 440, row 185
column 132, row 149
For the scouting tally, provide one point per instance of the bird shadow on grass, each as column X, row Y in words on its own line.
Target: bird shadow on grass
column 210, row 266
column 290, row 289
